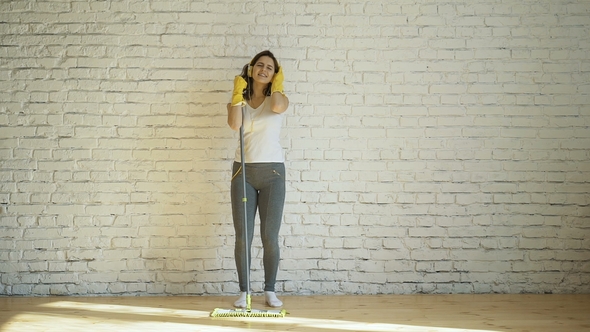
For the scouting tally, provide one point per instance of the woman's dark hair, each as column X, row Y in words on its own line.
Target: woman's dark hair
column 250, row 81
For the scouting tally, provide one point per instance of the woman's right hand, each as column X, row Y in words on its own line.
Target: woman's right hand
column 240, row 85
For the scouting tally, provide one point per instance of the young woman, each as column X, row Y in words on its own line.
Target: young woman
column 259, row 89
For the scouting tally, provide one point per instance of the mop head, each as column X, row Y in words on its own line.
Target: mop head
column 248, row 313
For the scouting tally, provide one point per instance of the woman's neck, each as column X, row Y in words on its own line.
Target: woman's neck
column 258, row 90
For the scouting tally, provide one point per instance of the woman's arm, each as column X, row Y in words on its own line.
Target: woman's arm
column 278, row 102
column 234, row 116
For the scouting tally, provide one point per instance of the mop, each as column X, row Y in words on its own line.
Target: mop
column 248, row 311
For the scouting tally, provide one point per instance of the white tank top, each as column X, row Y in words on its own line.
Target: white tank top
column 262, row 131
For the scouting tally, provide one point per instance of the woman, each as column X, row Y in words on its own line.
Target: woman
column 259, row 89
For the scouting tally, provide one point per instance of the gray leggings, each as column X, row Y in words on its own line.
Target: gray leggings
column 265, row 191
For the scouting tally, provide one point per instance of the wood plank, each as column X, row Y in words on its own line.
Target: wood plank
column 439, row 313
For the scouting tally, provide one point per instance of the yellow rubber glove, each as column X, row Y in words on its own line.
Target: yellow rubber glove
column 237, row 97
column 277, row 81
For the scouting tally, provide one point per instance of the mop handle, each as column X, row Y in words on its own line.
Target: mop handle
column 245, row 201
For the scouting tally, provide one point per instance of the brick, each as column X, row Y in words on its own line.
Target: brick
column 430, row 255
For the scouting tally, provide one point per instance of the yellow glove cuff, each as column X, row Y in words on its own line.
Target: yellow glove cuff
column 237, row 100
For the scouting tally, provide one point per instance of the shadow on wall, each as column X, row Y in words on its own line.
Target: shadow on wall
column 185, row 227
column 144, row 209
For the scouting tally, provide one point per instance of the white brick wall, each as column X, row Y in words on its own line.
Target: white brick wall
column 432, row 146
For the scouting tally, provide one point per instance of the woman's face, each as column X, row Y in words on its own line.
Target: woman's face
column 263, row 70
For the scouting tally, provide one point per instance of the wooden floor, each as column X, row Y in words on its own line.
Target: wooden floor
column 440, row 313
